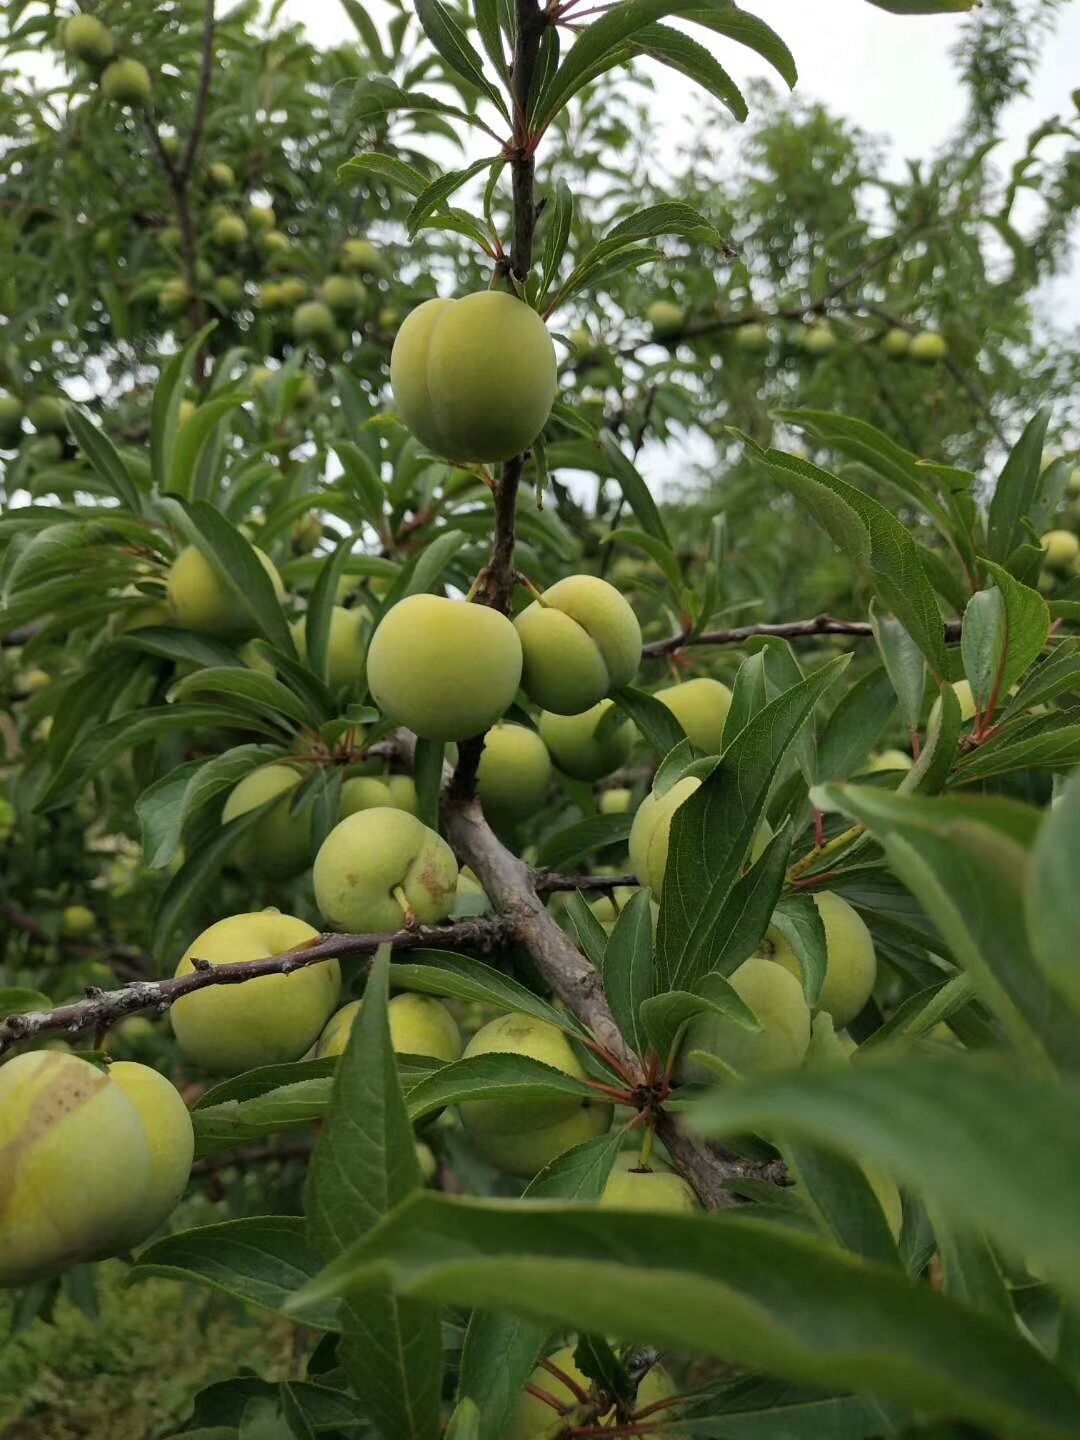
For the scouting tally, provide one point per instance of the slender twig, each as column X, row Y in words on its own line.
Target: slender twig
column 103, row 1008
column 202, row 101
column 547, row 882
column 786, row 630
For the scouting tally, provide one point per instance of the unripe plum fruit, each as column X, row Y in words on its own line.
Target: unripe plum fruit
column 261, row 217
column 360, row 255
column 344, row 648
column 230, row 231
column 369, row 856
column 752, row 337
column 579, row 643
column 202, row 601
column 342, row 293
column 819, row 339
column 313, row 321
column 447, row 669
column 535, row 1419
column 271, row 1020
column 474, row 379
column 928, row 346
column 77, row 921
column 46, row 414
column 701, row 707
column 419, row 1025
column 1061, row 548
column 657, row 1187
column 278, row 844
column 514, row 773
column 573, row 744
column 88, row 39
column 169, row 1134
column 776, row 998
column 369, row 792
column 850, row 965
column 126, row 82
column 11, row 419
column 522, row 1136
column 76, row 1166
column 665, row 317
column 292, row 290
column 221, row 175
column 896, row 341
column 965, row 697
column 617, row 801
column 650, row 834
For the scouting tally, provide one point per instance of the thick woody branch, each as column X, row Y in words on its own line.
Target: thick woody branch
column 103, row 1008
column 787, row 630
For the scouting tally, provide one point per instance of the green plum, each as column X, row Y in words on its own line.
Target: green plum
column 367, row 792
column 419, row 1025
column 579, row 642
column 379, row 868
column 345, row 646
column 701, row 707
column 851, row 964
column 201, row 600
column 928, row 346
column 651, row 832
column 776, row 998
column 631, row 1186
column 573, row 744
column 278, row 844
column 126, row 82
column 514, row 774
column 86, row 38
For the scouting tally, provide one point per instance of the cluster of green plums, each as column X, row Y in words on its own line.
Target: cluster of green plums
column 123, row 79
column 44, row 412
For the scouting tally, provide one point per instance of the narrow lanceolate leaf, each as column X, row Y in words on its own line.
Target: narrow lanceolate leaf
column 711, row 833
column 1016, row 490
column 855, row 726
column 745, row 29
column 450, row 40
column 989, row 1147
column 501, row 1349
column 983, row 642
column 364, row 1165
column 657, row 723
column 842, row 1199
column 320, row 609
column 384, row 167
column 799, row 921
column 165, row 406
column 493, row 1077
column 1053, row 900
column 261, row 1261
column 1026, row 624
column 664, row 1018
column 637, row 493
column 690, row 57
column 966, row 860
column 628, row 966
column 463, row 977
column 1048, row 746
column 903, row 661
column 103, row 458
column 1057, row 673
column 759, row 1296
column 872, row 537
column 439, row 190
column 584, row 838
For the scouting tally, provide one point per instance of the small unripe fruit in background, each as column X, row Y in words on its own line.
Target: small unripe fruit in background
column 229, row 290
column 851, row 963
column 650, row 833
column 1061, row 548
column 419, row 1025
column 582, row 342
column 260, row 217
column 889, row 760
column 11, row 419
column 46, row 415
column 230, row 231
column 657, row 1187
column 535, row 1419
column 170, row 1136
column 776, row 998
column 701, row 707
column 896, row 341
column 360, row 255
column 368, row 792
column 202, row 601
column 616, row 801
column 345, row 646
column 126, row 82
column 77, row 921
column 173, row 295
column 514, row 774
column 274, row 241
column 474, row 379
column 76, row 1165
column 818, row 339
column 343, row 294
column 965, row 697
column 574, row 746
column 88, row 39
column 292, row 290
column 581, row 643
column 187, row 411
column 447, row 669
column 313, row 321
column 753, row 338
column 389, row 319
column 928, row 346
column 35, row 680
column 372, row 854
column 220, row 175
column 271, row 1020
column 664, row 317
column 522, row 1136
column 278, row 844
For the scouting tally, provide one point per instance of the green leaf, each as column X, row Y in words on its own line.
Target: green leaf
column 1058, row 672
column 450, row 40
column 711, row 833
column 486, row 14
column 841, row 1198
column 878, row 544
column 364, row 1165
column 441, row 188
column 591, row 935
column 748, row 30
column 165, row 406
column 629, row 976
column 261, row 1261
column 103, row 457
column 267, row 696
column 633, row 486
column 658, row 725
column 799, row 921
column 979, row 1139
column 1026, row 627
column 235, row 564
column 556, row 235
column 982, row 643
column 364, row 482
column 1053, row 900
column 428, row 771
column 1053, row 746
column 855, row 725
column 320, row 613
column 383, row 167
column 679, row 52
column 924, row 7
column 17, row 1000
column 754, row 1408
column 463, row 977
column 664, row 1018
column 931, row 771
column 501, row 1350
column 189, row 886
column 757, row 1295
column 585, row 838
column 493, row 1077
column 192, row 437
column 1016, row 490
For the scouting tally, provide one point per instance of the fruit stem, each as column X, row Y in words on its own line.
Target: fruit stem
column 579, row 1394
column 647, row 1146
column 527, row 584
column 821, row 852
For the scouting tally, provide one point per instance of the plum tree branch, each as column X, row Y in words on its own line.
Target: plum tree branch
column 103, row 1008
column 785, row 630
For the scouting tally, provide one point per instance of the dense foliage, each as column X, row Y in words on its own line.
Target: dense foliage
column 665, row 734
